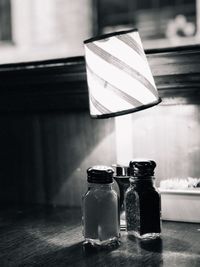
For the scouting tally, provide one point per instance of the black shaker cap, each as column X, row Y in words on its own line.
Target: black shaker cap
column 100, row 174
column 121, row 170
column 142, row 167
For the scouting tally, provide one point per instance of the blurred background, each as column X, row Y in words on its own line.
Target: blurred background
column 36, row 30
column 44, row 155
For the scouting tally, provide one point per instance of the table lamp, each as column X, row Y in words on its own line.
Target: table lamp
column 119, row 81
column 118, row 75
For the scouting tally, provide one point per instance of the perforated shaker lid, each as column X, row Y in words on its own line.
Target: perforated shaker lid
column 100, row 174
column 142, row 167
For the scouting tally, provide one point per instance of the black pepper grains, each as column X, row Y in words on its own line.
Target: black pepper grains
column 142, row 201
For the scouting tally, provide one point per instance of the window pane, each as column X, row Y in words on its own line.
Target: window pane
column 5, row 20
column 161, row 23
column 45, row 29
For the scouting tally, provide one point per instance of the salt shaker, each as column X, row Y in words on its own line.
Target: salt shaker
column 142, row 201
column 100, row 208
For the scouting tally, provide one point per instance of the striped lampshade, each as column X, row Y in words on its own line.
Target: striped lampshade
column 118, row 75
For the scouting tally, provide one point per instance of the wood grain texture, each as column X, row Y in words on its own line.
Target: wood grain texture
column 60, row 84
column 44, row 86
column 176, row 73
column 53, row 237
column 47, row 145
column 44, row 157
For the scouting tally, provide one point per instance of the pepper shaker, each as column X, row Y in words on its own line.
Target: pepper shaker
column 142, row 201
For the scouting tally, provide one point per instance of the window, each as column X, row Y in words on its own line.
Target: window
column 43, row 29
column 161, row 23
column 32, row 30
column 5, row 21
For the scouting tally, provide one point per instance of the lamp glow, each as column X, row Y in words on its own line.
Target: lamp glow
column 118, row 75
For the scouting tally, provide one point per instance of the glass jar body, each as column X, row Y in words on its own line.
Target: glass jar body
column 123, row 184
column 100, row 215
column 142, row 205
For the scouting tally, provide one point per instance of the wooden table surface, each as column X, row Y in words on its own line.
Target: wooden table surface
column 52, row 237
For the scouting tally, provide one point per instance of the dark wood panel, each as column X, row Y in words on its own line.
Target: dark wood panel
column 44, row 86
column 44, row 157
column 61, row 84
column 177, row 74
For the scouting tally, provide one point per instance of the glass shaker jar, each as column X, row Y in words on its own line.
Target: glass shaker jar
column 122, row 175
column 100, row 208
column 142, row 201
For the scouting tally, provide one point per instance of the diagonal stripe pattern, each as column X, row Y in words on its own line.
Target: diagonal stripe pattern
column 99, row 106
column 128, row 40
column 119, row 92
column 119, row 78
column 122, row 66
